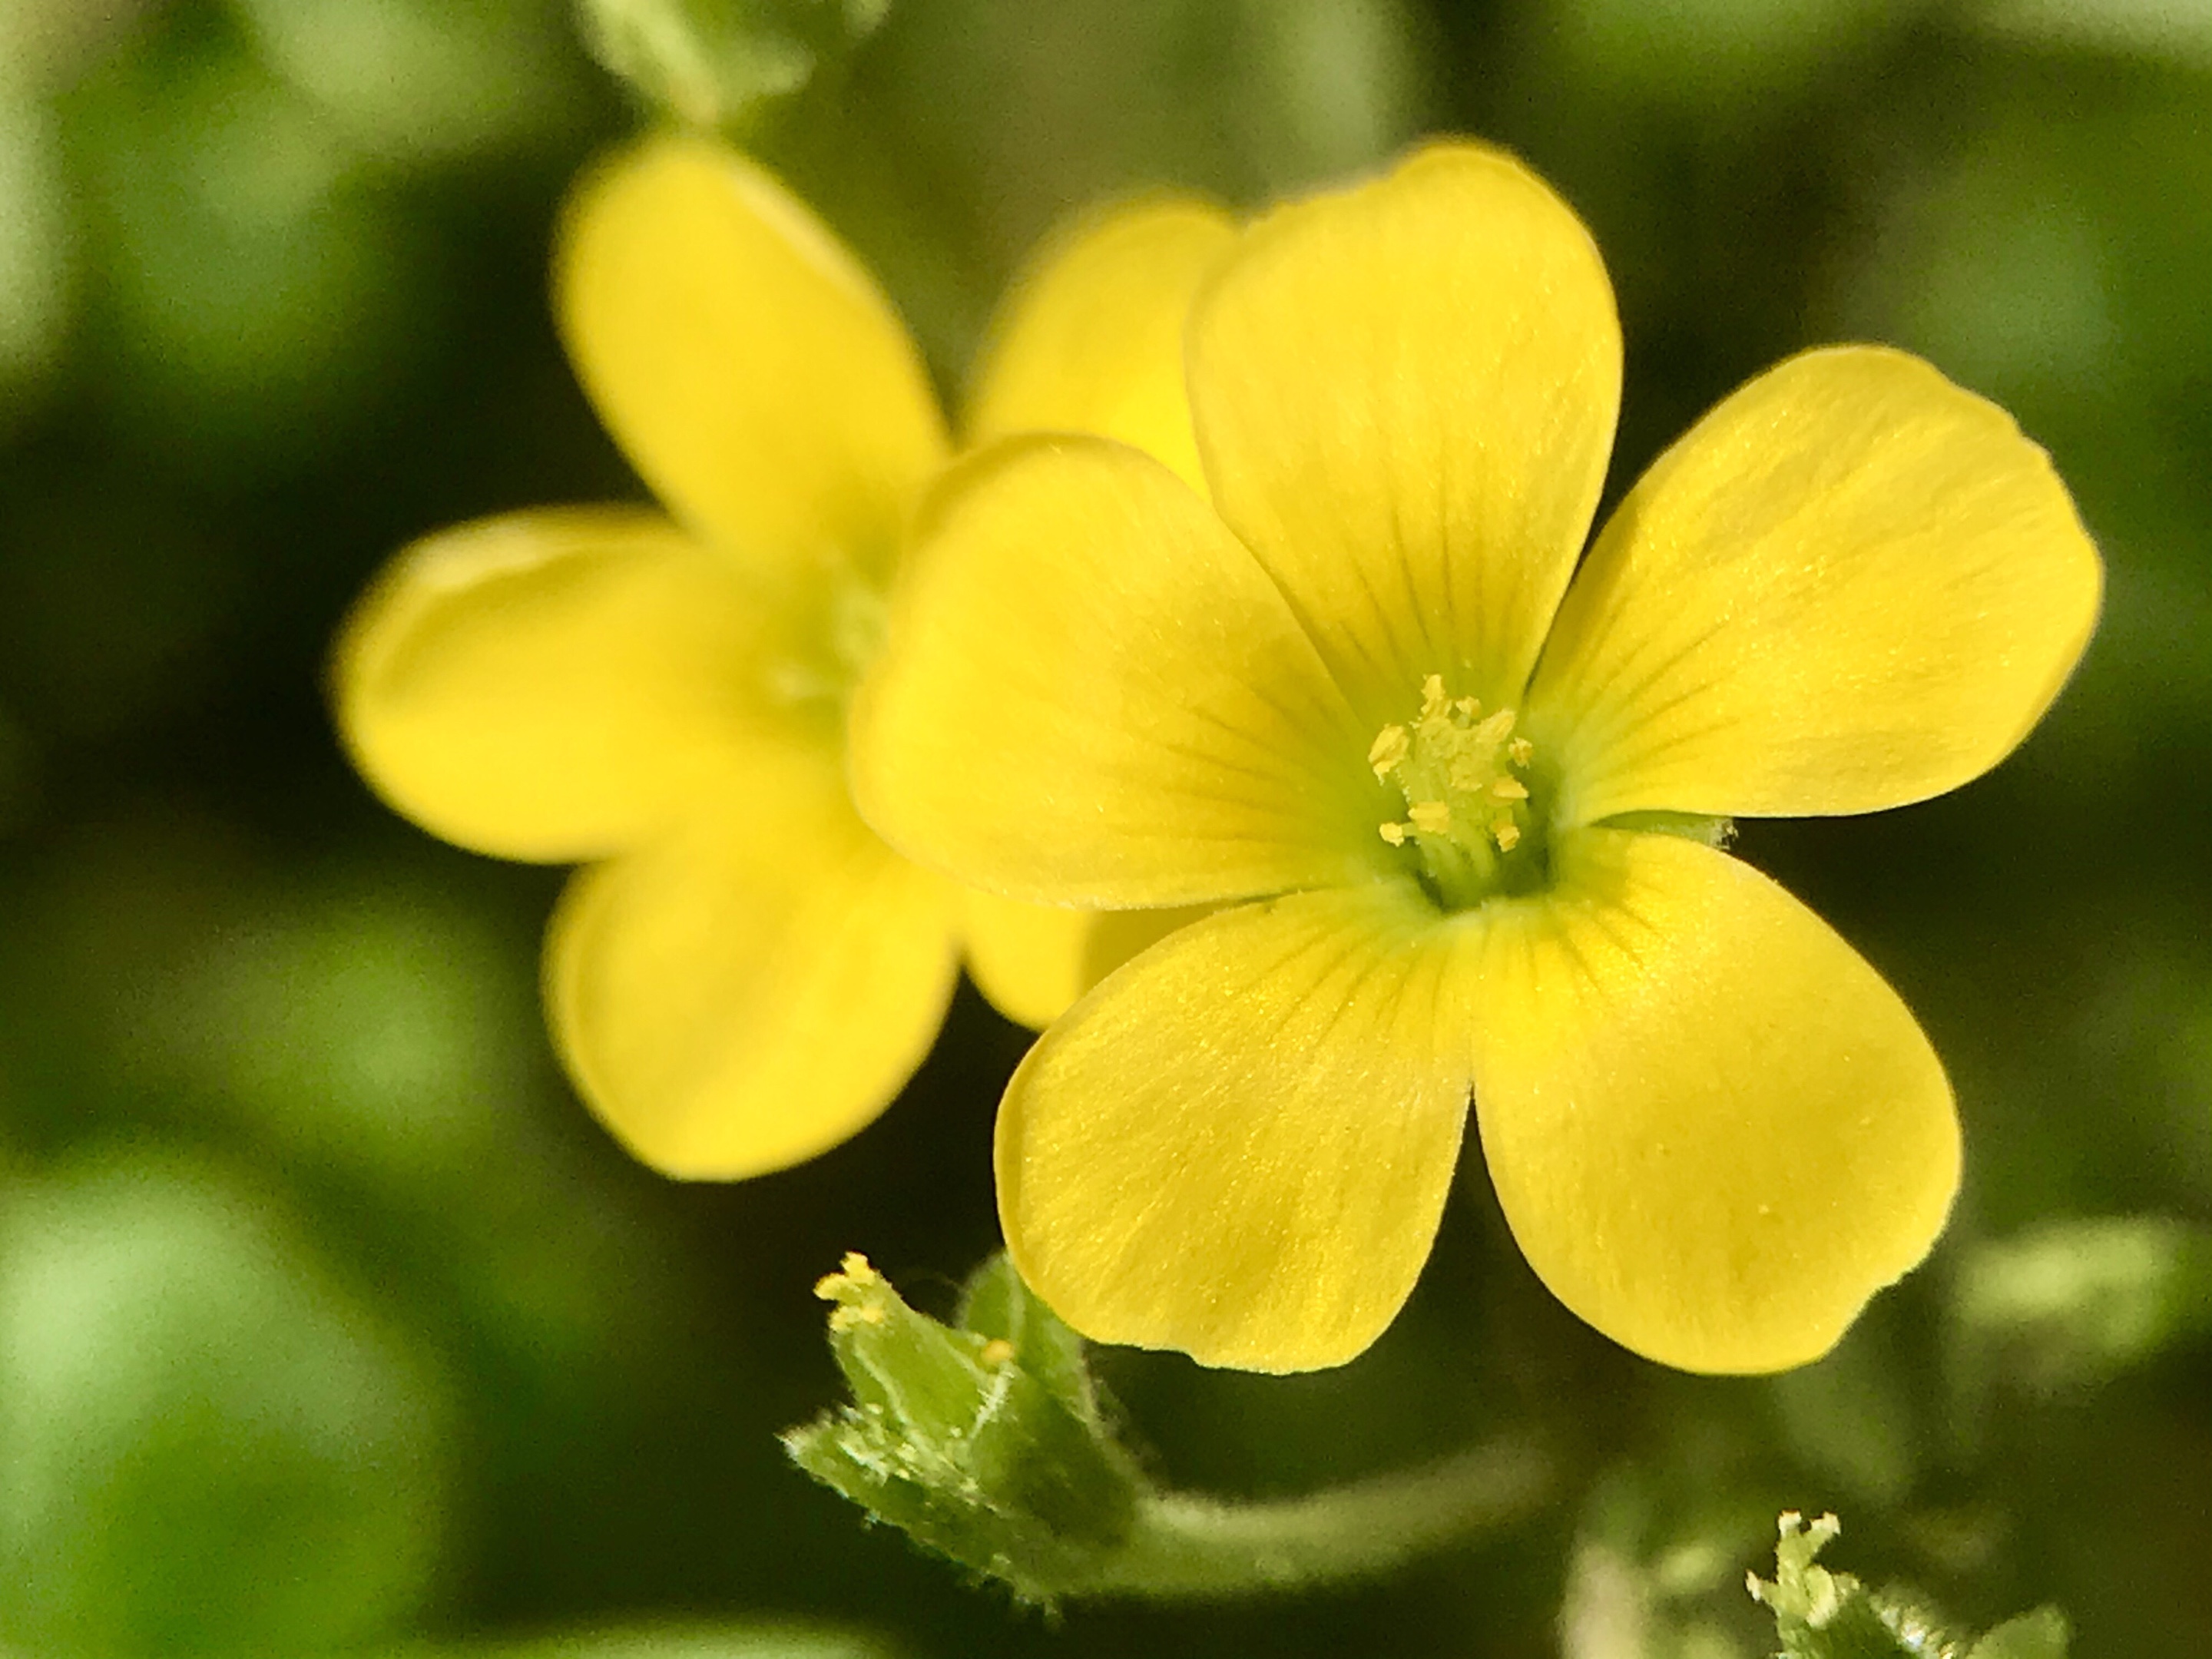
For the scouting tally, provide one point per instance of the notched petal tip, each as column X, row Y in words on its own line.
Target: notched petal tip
column 1851, row 585
column 745, row 995
column 1404, row 395
column 743, row 358
column 1090, row 338
column 1238, row 1146
column 550, row 684
column 1714, row 1129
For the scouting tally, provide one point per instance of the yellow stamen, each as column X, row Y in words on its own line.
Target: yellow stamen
column 997, row 1351
column 1389, row 748
column 1464, row 808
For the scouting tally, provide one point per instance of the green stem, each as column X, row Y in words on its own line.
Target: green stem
column 1187, row 1547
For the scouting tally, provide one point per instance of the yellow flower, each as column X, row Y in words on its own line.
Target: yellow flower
column 745, row 977
column 1475, row 807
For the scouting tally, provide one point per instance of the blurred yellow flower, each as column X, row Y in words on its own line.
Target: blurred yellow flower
column 1476, row 807
column 745, row 976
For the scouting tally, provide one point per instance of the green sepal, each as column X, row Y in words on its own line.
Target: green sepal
column 1690, row 826
column 996, row 1304
column 719, row 63
column 981, row 1441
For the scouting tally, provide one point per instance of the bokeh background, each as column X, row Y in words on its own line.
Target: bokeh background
column 328, row 1321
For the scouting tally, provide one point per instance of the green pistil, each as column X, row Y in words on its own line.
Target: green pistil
column 1464, row 777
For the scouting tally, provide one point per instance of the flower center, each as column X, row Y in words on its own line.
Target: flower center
column 1469, row 820
column 838, row 630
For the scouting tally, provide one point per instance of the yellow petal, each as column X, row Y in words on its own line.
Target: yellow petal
column 1239, row 1144
column 745, row 994
column 745, row 363
column 553, row 685
column 1852, row 585
column 1091, row 339
column 1092, row 695
column 1405, row 396
column 1033, row 960
column 1713, row 1129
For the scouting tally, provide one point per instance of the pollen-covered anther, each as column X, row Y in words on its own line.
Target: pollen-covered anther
column 859, row 1292
column 1454, row 764
column 855, row 1274
column 1389, row 748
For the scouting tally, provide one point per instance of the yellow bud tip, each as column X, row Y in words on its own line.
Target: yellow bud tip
column 847, row 1314
column 1522, row 751
column 1389, row 748
column 997, row 1351
column 1509, row 789
column 1430, row 818
column 1505, row 832
column 854, row 1276
column 1433, row 700
column 1392, row 833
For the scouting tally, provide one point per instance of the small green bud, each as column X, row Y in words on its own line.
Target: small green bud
column 1820, row 1615
column 718, row 62
column 1803, row 1591
column 982, row 1441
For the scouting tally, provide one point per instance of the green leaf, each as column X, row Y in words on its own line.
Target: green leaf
column 761, row 1641
column 2077, row 1303
column 2042, row 1634
column 207, row 1444
column 424, row 80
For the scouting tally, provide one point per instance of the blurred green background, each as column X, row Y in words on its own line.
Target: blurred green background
column 328, row 1321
